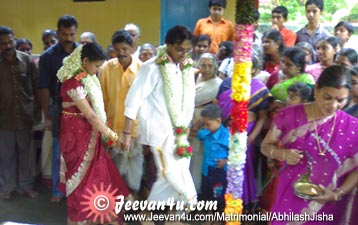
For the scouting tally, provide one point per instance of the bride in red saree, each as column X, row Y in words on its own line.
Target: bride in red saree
column 86, row 167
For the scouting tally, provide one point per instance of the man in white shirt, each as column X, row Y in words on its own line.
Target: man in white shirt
column 162, row 95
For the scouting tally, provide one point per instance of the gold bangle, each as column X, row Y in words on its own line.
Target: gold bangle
column 111, row 134
column 114, row 136
column 284, row 155
column 336, row 197
column 339, row 195
column 271, row 153
column 107, row 133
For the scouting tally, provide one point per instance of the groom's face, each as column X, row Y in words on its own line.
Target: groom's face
column 179, row 51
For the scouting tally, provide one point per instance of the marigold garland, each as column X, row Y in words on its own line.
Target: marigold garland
column 241, row 79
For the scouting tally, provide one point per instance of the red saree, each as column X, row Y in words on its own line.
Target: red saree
column 87, row 164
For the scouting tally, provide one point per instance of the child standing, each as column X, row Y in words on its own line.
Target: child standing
column 313, row 31
column 298, row 93
column 216, row 146
column 279, row 17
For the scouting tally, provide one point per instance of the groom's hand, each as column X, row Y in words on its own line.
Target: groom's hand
column 124, row 141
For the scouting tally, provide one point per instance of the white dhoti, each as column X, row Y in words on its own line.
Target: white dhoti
column 173, row 176
column 196, row 162
column 130, row 164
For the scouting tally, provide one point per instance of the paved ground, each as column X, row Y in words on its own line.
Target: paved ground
column 40, row 211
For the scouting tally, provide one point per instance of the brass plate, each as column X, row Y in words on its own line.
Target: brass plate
column 307, row 190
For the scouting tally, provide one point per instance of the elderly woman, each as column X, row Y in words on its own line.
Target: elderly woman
column 206, row 89
column 146, row 52
column 319, row 149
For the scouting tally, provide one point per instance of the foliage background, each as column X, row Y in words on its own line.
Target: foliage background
column 333, row 12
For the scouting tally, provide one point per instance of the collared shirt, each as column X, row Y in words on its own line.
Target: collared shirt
column 304, row 36
column 216, row 146
column 227, row 66
column 115, row 84
column 146, row 99
column 289, row 37
column 17, row 84
column 50, row 62
column 218, row 32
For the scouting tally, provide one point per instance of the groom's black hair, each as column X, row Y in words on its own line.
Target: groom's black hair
column 178, row 34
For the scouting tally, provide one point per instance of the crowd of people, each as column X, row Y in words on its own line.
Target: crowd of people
column 152, row 121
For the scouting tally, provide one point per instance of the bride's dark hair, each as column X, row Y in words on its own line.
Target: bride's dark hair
column 93, row 52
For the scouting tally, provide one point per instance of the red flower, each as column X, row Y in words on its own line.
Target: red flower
column 239, row 115
column 81, row 75
column 110, row 142
column 180, row 151
column 179, row 130
column 189, row 149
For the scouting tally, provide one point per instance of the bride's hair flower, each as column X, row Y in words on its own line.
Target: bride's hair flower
column 71, row 64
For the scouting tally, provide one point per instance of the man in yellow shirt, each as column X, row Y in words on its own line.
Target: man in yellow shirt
column 215, row 26
column 116, row 77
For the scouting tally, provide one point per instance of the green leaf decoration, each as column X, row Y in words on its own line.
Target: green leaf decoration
column 244, row 12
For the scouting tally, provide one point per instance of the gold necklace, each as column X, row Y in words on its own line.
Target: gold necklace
column 320, row 151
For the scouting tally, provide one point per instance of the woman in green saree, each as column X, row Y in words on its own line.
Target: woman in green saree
column 292, row 71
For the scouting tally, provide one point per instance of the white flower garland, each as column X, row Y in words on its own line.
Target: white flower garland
column 93, row 88
column 177, row 109
column 71, row 65
column 177, row 105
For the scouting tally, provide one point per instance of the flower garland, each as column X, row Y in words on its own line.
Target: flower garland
column 176, row 100
column 93, row 88
column 241, row 78
column 72, row 68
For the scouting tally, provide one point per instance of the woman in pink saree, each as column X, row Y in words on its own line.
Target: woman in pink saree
column 318, row 134
column 86, row 167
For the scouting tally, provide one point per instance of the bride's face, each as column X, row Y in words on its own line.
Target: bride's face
column 92, row 67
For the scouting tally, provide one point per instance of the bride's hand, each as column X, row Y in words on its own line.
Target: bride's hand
column 124, row 141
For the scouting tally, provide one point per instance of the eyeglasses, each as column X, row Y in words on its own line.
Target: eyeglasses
column 181, row 50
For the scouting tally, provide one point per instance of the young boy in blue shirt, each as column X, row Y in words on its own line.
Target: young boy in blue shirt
column 216, row 147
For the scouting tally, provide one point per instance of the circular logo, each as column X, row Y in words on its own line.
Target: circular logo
column 100, row 203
